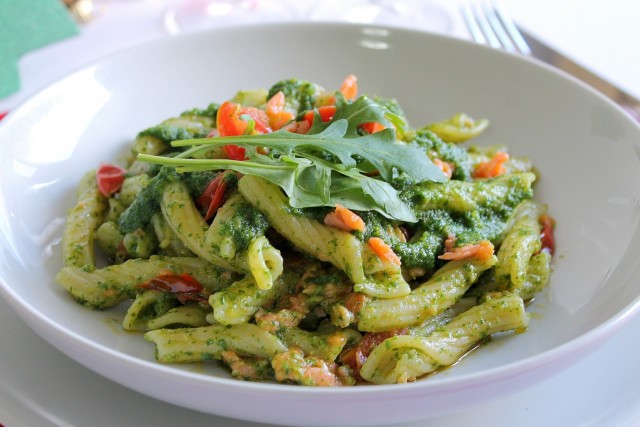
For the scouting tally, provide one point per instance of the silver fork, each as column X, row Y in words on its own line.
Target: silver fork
column 490, row 25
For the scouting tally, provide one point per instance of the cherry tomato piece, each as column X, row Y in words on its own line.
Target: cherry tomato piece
column 109, row 179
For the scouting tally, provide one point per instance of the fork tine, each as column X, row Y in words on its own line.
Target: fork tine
column 512, row 30
column 483, row 24
column 472, row 24
column 489, row 24
column 497, row 27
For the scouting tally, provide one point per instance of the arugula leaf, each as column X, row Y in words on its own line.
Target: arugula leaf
column 308, row 184
column 379, row 149
column 325, row 167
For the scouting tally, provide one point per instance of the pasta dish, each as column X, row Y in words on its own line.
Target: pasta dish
column 314, row 237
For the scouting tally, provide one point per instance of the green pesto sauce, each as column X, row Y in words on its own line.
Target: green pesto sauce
column 317, row 213
column 247, row 224
column 452, row 153
column 492, row 204
column 146, row 203
column 195, row 123
column 211, row 111
column 485, row 222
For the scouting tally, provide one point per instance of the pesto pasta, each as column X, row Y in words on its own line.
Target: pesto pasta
column 314, row 237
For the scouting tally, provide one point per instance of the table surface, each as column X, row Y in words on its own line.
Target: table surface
column 42, row 387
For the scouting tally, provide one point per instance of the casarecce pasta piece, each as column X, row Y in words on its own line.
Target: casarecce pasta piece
column 404, row 358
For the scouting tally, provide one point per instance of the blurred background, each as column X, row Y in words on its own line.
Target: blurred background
column 41, row 41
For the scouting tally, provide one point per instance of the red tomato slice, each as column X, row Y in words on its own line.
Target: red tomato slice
column 213, row 196
column 349, row 88
column 173, row 283
column 547, row 237
column 326, row 113
column 228, row 120
column 259, row 117
column 493, row 167
column 372, row 127
column 234, row 152
column 109, row 179
column 183, row 285
column 357, row 355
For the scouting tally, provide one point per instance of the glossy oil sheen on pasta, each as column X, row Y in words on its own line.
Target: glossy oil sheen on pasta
column 310, row 236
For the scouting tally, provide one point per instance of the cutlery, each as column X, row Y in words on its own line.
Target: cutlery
column 488, row 24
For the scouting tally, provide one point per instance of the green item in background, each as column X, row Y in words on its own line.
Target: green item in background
column 26, row 25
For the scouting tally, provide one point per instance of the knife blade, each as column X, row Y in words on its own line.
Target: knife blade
column 549, row 55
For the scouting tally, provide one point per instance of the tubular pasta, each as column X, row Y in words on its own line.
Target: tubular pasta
column 82, row 221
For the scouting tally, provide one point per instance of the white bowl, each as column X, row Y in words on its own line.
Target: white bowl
column 586, row 150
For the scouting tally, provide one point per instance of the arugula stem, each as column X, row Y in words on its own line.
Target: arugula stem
column 191, row 165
